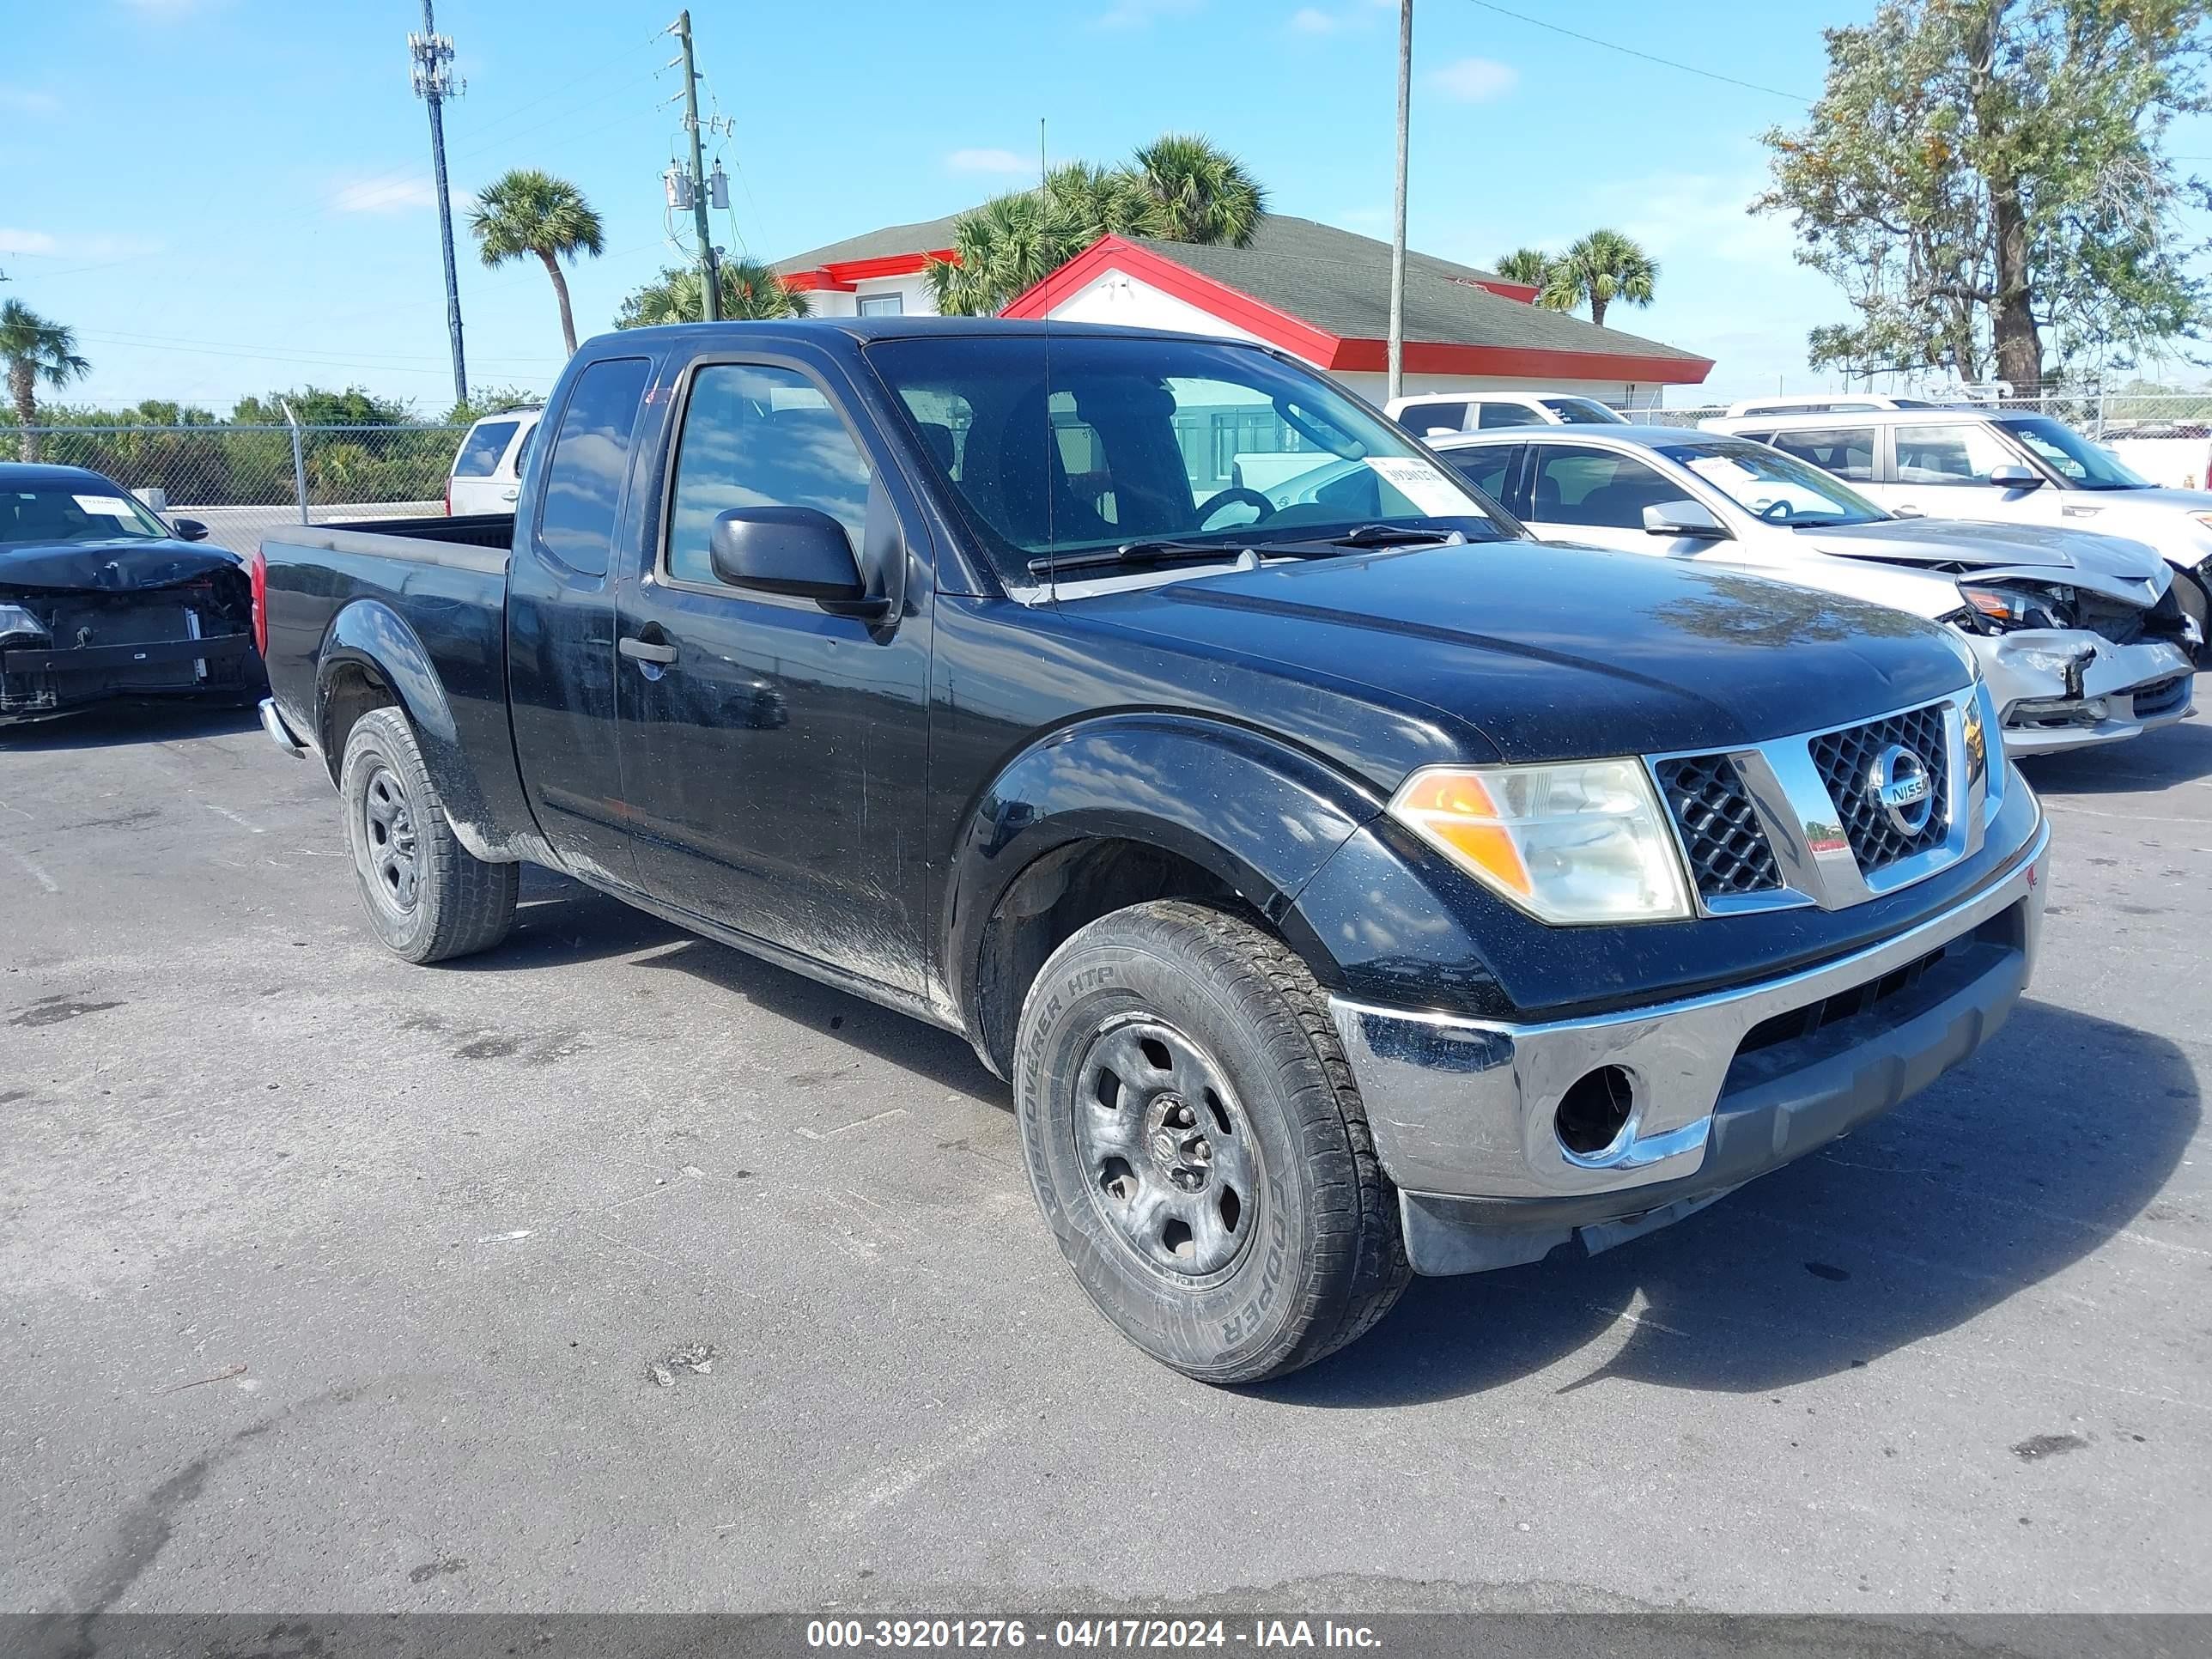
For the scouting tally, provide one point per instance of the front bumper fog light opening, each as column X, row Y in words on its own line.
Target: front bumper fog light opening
column 1595, row 1116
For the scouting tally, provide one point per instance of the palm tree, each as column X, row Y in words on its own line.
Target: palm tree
column 1603, row 267
column 751, row 291
column 35, row 349
column 1007, row 246
column 526, row 211
column 1531, row 265
column 1198, row 193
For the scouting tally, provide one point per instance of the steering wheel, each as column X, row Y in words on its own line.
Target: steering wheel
column 1220, row 499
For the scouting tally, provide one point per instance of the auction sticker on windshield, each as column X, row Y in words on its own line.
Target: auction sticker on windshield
column 113, row 507
column 1428, row 489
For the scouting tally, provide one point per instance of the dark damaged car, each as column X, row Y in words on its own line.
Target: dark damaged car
column 100, row 600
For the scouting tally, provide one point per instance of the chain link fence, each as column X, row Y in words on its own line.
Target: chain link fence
column 244, row 481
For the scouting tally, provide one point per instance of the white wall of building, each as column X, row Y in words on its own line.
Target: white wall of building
column 913, row 293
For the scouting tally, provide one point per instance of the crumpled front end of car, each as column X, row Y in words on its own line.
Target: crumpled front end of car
column 65, row 649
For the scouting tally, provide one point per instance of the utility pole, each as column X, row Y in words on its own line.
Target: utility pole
column 1397, row 346
column 710, row 288
column 433, row 77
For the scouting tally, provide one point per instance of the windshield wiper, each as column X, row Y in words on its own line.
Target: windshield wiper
column 1153, row 552
column 1388, row 535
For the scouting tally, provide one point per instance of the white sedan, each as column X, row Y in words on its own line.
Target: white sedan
column 2079, row 635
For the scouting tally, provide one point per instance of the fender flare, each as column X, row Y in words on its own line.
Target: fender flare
column 1259, row 815
column 369, row 635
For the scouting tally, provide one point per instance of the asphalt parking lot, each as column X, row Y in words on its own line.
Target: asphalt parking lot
column 331, row 1283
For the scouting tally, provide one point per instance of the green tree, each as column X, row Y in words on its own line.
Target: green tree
column 490, row 400
column 526, row 211
column 749, row 291
column 35, row 351
column 1197, row 193
column 1177, row 188
column 354, row 406
column 1600, row 269
column 1985, row 180
column 1531, row 265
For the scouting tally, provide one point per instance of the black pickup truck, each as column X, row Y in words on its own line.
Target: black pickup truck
column 1349, row 886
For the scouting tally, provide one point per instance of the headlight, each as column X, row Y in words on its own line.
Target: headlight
column 2021, row 607
column 1572, row 842
column 14, row 620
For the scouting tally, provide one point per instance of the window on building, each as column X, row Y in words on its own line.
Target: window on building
column 881, row 305
column 590, row 459
column 1847, row 451
column 756, row 436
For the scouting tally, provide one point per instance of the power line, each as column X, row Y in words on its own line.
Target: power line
column 1648, row 56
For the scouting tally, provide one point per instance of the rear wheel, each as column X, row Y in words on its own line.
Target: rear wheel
column 1195, row 1140
column 427, row 897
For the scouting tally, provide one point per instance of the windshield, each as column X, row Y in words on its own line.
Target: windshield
column 2083, row 465
column 1583, row 411
column 95, row 511
column 1060, row 444
column 1769, row 485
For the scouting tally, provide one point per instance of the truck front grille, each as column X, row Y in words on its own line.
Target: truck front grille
column 1728, row 850
column 1846, row 762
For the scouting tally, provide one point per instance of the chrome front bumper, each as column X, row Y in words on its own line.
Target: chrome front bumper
column 1464, row 1109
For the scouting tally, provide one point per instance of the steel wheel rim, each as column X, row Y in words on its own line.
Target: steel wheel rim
column 388, row 836
column 1167, row 1151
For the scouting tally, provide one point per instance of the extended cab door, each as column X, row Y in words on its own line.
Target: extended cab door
column 561, row 616
column 774, row 754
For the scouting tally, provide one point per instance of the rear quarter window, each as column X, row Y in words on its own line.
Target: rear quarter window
column 482, row 448
column 585, row 471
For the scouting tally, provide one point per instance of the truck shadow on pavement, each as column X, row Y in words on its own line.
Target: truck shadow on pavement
column 2159, row 760
column 112, row 725
column 2049, row 1147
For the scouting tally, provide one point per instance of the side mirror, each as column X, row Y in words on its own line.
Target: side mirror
column 1688, row 518
column 189, row 529
column 2016, row 477
column 798, row 551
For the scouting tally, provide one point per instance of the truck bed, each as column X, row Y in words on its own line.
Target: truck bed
column 418, row 539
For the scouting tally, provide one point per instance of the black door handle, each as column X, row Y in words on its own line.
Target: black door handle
column 645, row 651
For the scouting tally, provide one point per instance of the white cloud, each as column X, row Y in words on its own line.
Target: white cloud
column 169, row 11
column 39, row 244
column 1475, row 80
column 384, row 196
column 1312, row 20
column 1138, row 14
column 988, row 160
column 22, row 100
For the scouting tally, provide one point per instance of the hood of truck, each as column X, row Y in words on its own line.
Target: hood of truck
column 2112, row 565
column 1557, row 652
column 123, row 564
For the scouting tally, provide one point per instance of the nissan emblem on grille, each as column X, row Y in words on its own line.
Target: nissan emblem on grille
column 1898, row 780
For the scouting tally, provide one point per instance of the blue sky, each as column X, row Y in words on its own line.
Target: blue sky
column 229, row 195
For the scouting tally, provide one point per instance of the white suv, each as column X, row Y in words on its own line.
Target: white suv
column 487, row 474
column 2004, row 467
column 1428, row 413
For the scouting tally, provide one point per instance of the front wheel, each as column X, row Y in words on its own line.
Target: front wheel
column 1198, row 1146
column 427, row 897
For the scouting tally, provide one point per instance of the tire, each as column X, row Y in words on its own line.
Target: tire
column 426, row 897
column 1226, row 1210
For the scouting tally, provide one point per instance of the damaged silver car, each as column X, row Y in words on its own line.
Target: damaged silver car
column 100, row 600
